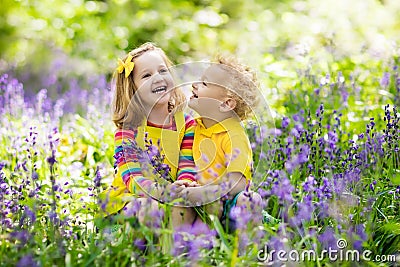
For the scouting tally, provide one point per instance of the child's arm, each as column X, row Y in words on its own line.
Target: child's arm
column 238, row 164
column 186, row 167
column 230, row 185
column 127, row 164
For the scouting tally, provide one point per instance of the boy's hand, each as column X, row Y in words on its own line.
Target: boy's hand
column 168, row 192
column 186, row 183
column 200, row 195
column 193, row 195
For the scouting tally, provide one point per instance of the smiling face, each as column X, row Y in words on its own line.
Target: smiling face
column 210, row 92
column 152, row 79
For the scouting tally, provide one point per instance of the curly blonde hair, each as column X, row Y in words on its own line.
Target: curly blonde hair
column 127, row 108
column 243, row 85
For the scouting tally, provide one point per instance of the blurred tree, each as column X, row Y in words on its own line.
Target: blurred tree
column 46, row 41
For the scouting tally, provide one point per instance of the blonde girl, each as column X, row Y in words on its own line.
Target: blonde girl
column 147, row 109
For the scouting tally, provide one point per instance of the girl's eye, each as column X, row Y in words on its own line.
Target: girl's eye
column 204, row 83
column 163, row 70
column 146, row 75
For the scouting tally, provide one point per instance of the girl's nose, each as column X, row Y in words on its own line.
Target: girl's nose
column 157, row 77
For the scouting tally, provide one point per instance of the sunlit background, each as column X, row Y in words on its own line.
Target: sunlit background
column 47, row 41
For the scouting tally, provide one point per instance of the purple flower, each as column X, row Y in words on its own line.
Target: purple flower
column 30, row 214
column 285, row 122
column 283, row 189
column 22, row 236
column 295, row 132
column 51, row 160
column 308, row 185
column 345, row 95
column 179, row 243
column 385, row 80
column 328, row 239
column 152, row 151
column 2, row 164
column 372, row 187
column 275, row 132
column 200, row 228
column 193, row 239
column 140, row 243
column 241, row 217
column 27, row 260
column 156, row 216
column 133, row 210
column 320, row 111
column 263, row 193
column 298, row 159
column 277, row 244
column 195, row 246
column 35, row 176
column 304, row 211
column 53, row 217
column 97, row 178
column 325, row 190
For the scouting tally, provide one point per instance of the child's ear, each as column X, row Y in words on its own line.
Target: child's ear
column 228, row 105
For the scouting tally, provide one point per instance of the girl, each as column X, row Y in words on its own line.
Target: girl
column 147, row 110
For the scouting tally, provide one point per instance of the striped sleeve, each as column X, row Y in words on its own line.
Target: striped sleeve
column 186, row 166
column 127, row 164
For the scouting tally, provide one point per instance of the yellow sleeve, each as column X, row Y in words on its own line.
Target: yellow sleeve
column 238, row 154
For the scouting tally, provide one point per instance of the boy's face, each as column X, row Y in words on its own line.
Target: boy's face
column 209, row 93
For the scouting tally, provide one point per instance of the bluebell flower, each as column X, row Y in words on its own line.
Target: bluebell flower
column 27, row 260
column 97, row 178
column 285, row 122
column 328, row 239
column 385, row 80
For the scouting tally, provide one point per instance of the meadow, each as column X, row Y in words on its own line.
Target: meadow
column 327, row 171
column 326, row 155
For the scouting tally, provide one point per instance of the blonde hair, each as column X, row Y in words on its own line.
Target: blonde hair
column 243, row 85
column 127, row 108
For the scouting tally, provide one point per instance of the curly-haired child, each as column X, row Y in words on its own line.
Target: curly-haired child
column 223, row 97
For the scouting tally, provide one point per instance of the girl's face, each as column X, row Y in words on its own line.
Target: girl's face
column 153, row 80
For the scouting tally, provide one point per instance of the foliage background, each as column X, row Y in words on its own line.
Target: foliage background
column 46, row 41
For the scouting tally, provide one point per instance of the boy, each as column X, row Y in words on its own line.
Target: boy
column 221, row 148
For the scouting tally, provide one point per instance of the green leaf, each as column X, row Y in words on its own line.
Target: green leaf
column 396, row 177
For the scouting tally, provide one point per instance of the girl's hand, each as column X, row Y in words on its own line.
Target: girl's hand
column 200, row 195
column 167, row 192
column 186, row 183
column 174, row 189
column 192, row 195
column 194, row 184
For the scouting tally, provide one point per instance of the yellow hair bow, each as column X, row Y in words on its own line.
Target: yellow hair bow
column 127, row 66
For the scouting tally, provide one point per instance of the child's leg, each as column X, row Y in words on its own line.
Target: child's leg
column 143, row 209
column 182, row 215
column 251, row 200
column 215, row 208
column 248, row 210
